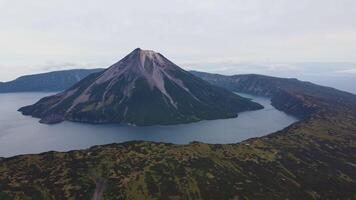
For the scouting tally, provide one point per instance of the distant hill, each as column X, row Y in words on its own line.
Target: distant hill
column 51, row 81
column 288, row 94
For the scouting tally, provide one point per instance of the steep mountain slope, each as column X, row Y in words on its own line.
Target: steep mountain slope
column 314, row 158
column 144, row 88
column 52, row 81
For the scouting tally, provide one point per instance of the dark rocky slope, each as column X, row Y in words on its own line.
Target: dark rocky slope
column 312, row 159
column 144, row 88
column 52, row 81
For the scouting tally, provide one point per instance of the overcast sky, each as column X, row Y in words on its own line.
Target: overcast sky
column 227, row 36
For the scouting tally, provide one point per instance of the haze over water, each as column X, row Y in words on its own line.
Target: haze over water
column 24, row 135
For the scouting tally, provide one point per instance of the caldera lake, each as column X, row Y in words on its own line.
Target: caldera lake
column 21, row 134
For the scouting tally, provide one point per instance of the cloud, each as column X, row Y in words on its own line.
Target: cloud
column 347, row 71
column 226, row 32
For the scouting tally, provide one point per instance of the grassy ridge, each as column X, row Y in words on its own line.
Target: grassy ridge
column 310, row 160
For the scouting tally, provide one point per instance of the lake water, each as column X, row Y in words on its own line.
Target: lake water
column 24, row 135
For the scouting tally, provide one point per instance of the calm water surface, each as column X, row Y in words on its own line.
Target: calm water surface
column 23, row 134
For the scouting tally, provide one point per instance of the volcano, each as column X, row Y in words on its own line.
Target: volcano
column 144, row 88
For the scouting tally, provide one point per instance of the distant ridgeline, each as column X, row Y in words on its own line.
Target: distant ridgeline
column 52, row 81
column 295, row 97
column 273, row 87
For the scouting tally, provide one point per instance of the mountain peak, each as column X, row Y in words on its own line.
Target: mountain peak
column 145, row 51
column 150, row 55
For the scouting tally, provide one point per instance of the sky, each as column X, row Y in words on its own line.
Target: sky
column 308, row 39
